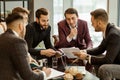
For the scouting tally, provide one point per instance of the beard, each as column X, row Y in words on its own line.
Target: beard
column 43, row 27
column 97, row 29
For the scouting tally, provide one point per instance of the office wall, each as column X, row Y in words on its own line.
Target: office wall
column 9, row 5
column 113, row 11
column 113, row 7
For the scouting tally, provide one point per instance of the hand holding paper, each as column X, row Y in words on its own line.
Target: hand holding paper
column 47, row 71
column 58, row 54
column 81, row 54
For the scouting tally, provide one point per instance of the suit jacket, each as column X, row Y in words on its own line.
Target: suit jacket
column 13, row 59
column 34, row 35
column 83, row 40
column 110, row 44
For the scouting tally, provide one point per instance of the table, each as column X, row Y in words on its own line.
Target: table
column 88, row 76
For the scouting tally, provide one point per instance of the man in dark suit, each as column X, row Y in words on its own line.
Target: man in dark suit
column 37, row 32
column 24, row 12
column 14, row 52
column 73, row 32
column 110, row 42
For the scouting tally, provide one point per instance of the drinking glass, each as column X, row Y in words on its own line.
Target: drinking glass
column 45, row 62
column 54, row 62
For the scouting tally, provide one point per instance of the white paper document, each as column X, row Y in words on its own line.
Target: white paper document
column 82, row 69
column 69, row 51
column 55, row 73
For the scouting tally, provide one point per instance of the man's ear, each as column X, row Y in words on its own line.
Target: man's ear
column 99, row 22
column 37, row 20
column 20, row 27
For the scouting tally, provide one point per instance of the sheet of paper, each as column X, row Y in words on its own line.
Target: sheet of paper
column 55, row 73
column 82, row 69
column 69, row 51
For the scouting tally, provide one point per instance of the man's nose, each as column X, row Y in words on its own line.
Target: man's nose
column 71, row 21
column 46, row 23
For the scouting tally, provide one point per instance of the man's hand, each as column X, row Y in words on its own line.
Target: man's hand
column 36, row 70
column 48, row 52
column 47, row 71
column 73, row 33
column 58, row 54
column 82, row 55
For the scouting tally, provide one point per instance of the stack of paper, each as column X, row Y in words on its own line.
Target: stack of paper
column 55, row 73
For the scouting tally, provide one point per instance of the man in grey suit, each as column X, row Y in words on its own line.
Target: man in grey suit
column 14, row 52
column 110, row 42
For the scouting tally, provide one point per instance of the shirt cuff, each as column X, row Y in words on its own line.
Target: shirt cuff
column 89, row 59
column 68, row 39
column 44, row 75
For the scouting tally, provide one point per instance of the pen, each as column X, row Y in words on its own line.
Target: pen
column 75, row 60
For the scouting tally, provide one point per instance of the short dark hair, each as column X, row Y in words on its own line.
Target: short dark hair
column 71, row 11
column 100, row 14
column 20, row 10
column 12, row 17
column 41, row 11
